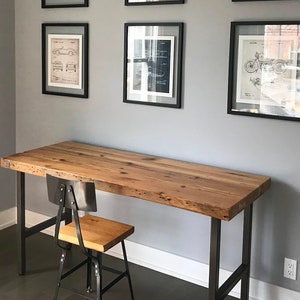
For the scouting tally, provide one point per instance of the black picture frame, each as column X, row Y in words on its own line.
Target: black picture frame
column 65, row 59
column 64, row 3
column 264, row 69
column 152, row 2
column 153, row 63
column 250, row 0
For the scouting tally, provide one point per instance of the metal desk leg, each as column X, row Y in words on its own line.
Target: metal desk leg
column 246, row 254
column 24, row 232
column 21, row 222
column 242, row 273
column 214, row 265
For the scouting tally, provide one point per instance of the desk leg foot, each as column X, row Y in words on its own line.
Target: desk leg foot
column 21, row 223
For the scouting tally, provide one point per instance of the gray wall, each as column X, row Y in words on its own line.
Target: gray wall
column 200, row 132
column 7, row 99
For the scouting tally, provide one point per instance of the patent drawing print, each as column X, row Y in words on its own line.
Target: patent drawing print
column 152, row 61
column 65, row 61
column 267, row 73
column 153, row 55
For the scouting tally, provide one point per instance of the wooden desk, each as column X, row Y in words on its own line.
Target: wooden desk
column 218, row 193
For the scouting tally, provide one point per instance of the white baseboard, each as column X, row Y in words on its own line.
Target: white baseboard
column 167, row 263
column 8, row 217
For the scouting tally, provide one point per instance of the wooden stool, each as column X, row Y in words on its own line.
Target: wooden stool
column 94, row 235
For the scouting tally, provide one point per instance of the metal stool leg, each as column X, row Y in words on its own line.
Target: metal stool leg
column 127, row 270
column 89, row 273
column 98, row 274
column 61, row 267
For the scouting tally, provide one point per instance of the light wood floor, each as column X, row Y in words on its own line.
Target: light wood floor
column 42, row 265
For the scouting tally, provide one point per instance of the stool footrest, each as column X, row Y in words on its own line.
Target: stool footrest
column 114, row 281
column 75, row 268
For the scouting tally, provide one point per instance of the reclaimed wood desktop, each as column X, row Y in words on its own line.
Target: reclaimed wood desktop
column 218, row 193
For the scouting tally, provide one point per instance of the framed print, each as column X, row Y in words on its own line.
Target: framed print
column 152, row 2
column 251, row 0
column 153, row 63
column 65, row 59
column 64, row 3
column 264, row 69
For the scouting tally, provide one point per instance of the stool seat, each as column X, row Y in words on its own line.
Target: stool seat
column 98, row 234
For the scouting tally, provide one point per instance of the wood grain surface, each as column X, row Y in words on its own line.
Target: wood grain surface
column 98, row 234
column 212, row 191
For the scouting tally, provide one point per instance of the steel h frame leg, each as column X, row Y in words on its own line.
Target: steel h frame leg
column 242, row 272
column 246, row 255
column 21, row 222
column 24, row 232
column 214, row 264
